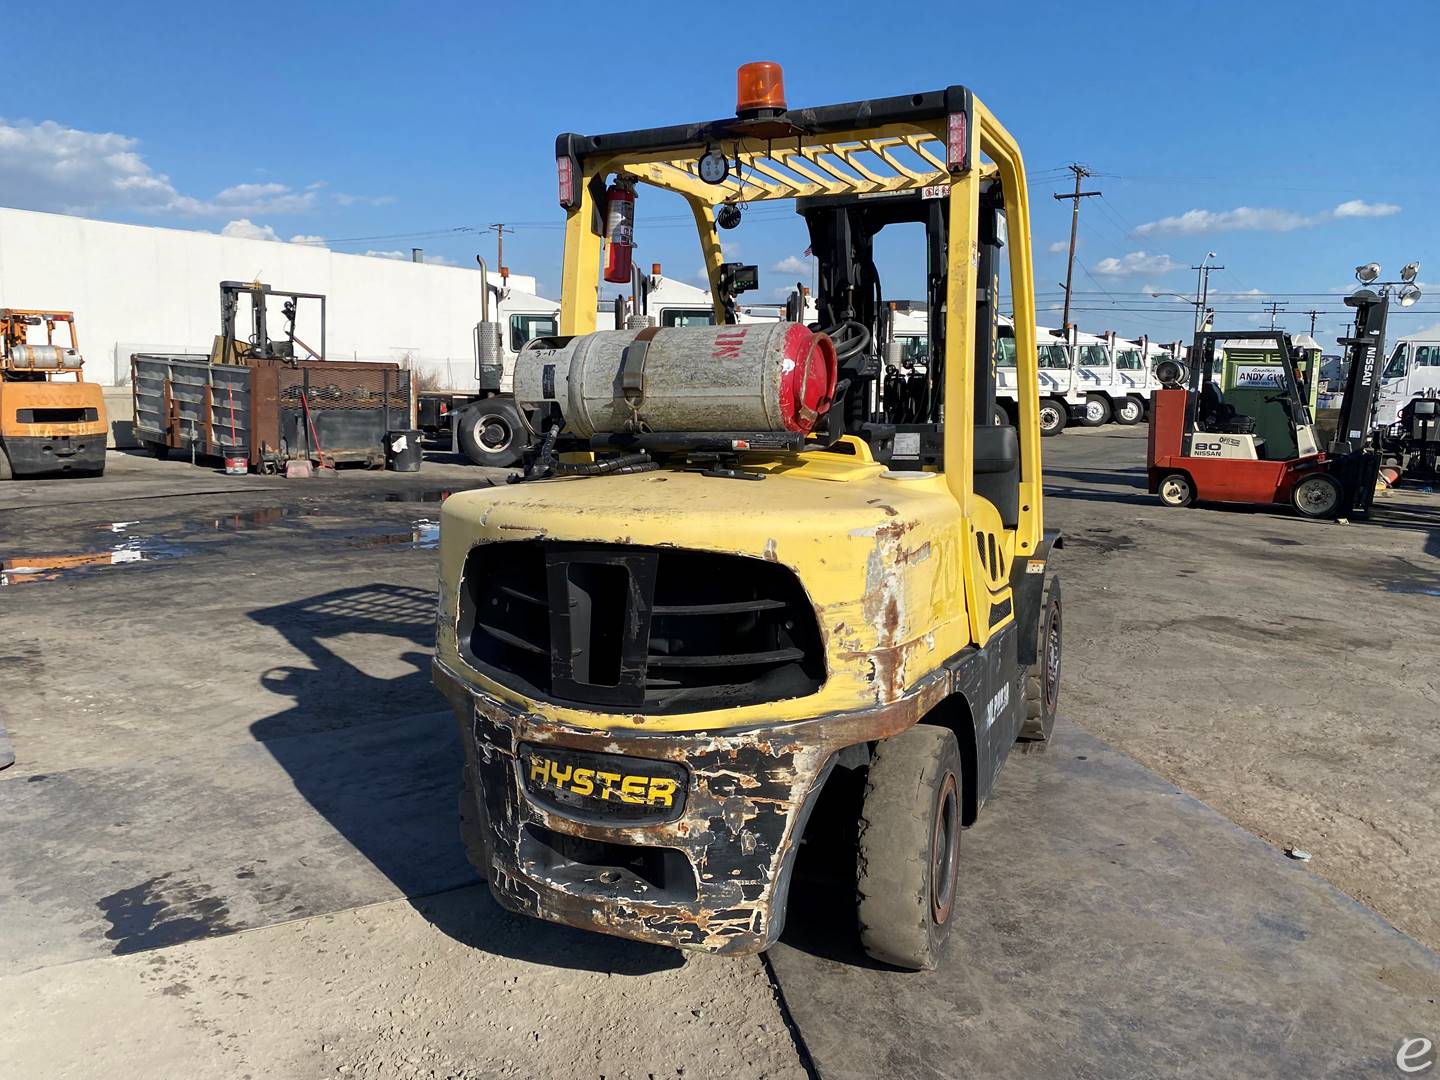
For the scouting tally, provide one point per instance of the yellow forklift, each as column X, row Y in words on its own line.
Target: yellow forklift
column 52, row 422
column 724, row 579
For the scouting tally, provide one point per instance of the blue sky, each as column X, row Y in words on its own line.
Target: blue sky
column 1288, row 138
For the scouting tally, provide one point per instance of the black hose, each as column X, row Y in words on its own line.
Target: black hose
column 621, row 463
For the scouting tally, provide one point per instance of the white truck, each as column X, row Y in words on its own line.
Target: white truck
column 1412, row 371
column 1059, row 399
column 478, row 411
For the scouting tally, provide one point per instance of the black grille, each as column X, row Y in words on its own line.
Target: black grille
column 649, row 630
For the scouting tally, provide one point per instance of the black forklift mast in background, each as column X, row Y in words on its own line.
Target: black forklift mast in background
column 1364, row 350
column 260, row 345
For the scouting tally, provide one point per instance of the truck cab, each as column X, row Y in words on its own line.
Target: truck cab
column 1412, row 371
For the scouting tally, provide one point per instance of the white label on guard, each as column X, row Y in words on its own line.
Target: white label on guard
column 907, row 444
column 1035, row 566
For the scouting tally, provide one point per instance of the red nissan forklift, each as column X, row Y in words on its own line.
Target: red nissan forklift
column 1255, row 444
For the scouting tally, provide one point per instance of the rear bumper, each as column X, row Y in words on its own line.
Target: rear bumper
column 713, row 878
column 35, row 455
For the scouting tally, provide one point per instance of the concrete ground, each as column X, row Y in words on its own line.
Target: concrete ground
column 228, row 845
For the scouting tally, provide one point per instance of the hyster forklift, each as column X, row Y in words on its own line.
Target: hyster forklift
column 725, row 579
column 51, row 420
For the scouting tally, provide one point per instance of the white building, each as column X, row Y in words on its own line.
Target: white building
column 136, row 288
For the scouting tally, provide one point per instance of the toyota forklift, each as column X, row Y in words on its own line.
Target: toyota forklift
column 731, row 573
column 1255, row 443
column 52, row 422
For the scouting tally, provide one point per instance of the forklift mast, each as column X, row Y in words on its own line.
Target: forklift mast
column 1364, row 350
column 259, row 345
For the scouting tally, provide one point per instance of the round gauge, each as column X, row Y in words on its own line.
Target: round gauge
column 714, row 168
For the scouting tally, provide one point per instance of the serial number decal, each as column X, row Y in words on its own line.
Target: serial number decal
column 631, row 788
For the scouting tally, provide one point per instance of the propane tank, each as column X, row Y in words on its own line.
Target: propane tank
column 619, row 230
column 44, row 358
column 773, row 376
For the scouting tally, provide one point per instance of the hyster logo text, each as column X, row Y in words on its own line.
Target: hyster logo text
column 598, row 784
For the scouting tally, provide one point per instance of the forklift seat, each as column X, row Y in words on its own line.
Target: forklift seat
column 1214, row 412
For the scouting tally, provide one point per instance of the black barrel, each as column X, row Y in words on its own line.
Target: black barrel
column 402, row 451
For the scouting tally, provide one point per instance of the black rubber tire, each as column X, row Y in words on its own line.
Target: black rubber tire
column 5, row 471
column 491, row 432
column 1129, row 411
column 1053, row 416
column 1000, row 416
column 908, row 855
column 158, row 450
column 1042, row 679
column 1187, row 498
column 1324, row 503
column 472, row 827
column 1096, row 412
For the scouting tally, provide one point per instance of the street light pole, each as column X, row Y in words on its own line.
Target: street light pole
column 1202, row 285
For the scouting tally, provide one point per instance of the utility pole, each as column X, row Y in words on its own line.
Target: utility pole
column 1313, row 316
column 1202, row 286
column 1080, row 173
column 1275, row 307
column 499, row 244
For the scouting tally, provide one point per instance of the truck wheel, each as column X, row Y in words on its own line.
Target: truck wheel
column 491, row 432
column 1128, row 411
column 5, row 471
column 909, row 847
column 1053, row 416
column 1001, row 416
column 1176, row 490
column 1095, row 412
column 1042, row 679
column 1317, row 496
column 158, row 450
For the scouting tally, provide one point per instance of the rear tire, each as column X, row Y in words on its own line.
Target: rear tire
column 909, row 847
column 1128, row 411
column 1176, row 489
column 472, row 827
column 6, row 473
column 491, row 432
column 1317, row 496
column 1042, row 679
column 1053, row 416
column 1001, row 416
column 1096, row 412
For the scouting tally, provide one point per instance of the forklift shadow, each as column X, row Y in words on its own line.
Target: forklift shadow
column 386, row 775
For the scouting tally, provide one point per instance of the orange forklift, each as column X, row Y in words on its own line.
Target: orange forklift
column 48, row 425
column 1255, row 444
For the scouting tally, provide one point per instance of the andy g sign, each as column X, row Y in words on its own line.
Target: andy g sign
column 1259, row 377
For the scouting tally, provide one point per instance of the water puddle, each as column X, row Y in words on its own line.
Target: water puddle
column 423, row 533
column 25, row 569
column 1412, row 587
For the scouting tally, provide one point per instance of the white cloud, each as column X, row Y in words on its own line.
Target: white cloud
column 1242, row 217
column 1359, row 208
column 305, row 238
column 1261, row 218
column 791, row 264
column 245, row 229
column 346, row 199
column 48, row 166
column 1136, row 262
column 388, row 254
column 1059, row 247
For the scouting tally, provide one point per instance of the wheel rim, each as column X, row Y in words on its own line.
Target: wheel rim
column 1175, row 490
column 1130, row 410
column 492, row 433
column 945, row 850
column 1049, row 417
column 1094, row 412
column 1052, row 663
column 1317, row 496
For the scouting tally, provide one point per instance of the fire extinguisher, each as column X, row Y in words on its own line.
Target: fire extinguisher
column 619, row 229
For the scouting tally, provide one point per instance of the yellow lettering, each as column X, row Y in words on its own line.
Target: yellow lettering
column 539, row 769
column 583, row 782
column 662, row 792
column 607, row 783
column 632, row 789
column 560, row 774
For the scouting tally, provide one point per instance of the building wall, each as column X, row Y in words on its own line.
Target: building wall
column 135, row 288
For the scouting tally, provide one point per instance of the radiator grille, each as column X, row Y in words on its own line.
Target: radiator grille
column 642, row 629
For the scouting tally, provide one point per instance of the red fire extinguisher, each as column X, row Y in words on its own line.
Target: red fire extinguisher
column 619, row 230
